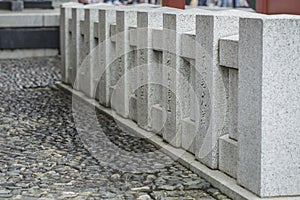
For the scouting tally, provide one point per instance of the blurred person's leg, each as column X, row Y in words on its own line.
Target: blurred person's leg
column 237, row 3
column 118, row 2
column 245, row 4
column 202, row 3
column 194, row 3
column 212, row 2
column 221, row 3
column 227, row 3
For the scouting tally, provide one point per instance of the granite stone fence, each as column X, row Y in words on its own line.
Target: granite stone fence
column 222, row 84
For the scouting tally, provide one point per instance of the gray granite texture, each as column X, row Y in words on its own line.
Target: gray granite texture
column 211, row 84
column 229, row 47
column 269, row 112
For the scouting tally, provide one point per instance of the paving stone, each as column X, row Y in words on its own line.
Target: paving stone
column 44, row 154
column 37, row 72
column 144, row 197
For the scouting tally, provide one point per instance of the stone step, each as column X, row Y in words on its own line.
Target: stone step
column 25, row 4
column 22, row 33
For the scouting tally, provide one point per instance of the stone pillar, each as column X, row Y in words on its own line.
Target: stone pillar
column 125, row 18
column 120, row 97
column 157, row 114
column 106, row 48
column 87, row 57
column 175, row 23
column 150, row 71
column 211, row 84
column 269, row 112
column 228, row 150
column 74, row 45
column 65, row 34
column 187, row 92
column 132, row 76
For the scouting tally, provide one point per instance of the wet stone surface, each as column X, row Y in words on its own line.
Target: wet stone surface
column 50, row 151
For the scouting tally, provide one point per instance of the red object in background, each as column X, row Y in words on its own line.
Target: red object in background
column 174, row 3
column 278, row 6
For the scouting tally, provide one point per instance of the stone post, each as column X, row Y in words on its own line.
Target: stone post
column 107, row 17
column 87, row 56
column 175, row 23
column 126, row 18
column 74, row 45
column 148, row 94
column 211, row 84
column 269, row 112
column 65, row 35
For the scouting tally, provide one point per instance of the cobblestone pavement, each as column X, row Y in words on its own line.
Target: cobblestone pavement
column 43, row 157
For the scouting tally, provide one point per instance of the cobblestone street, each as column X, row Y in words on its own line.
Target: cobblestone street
column 43, row 157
